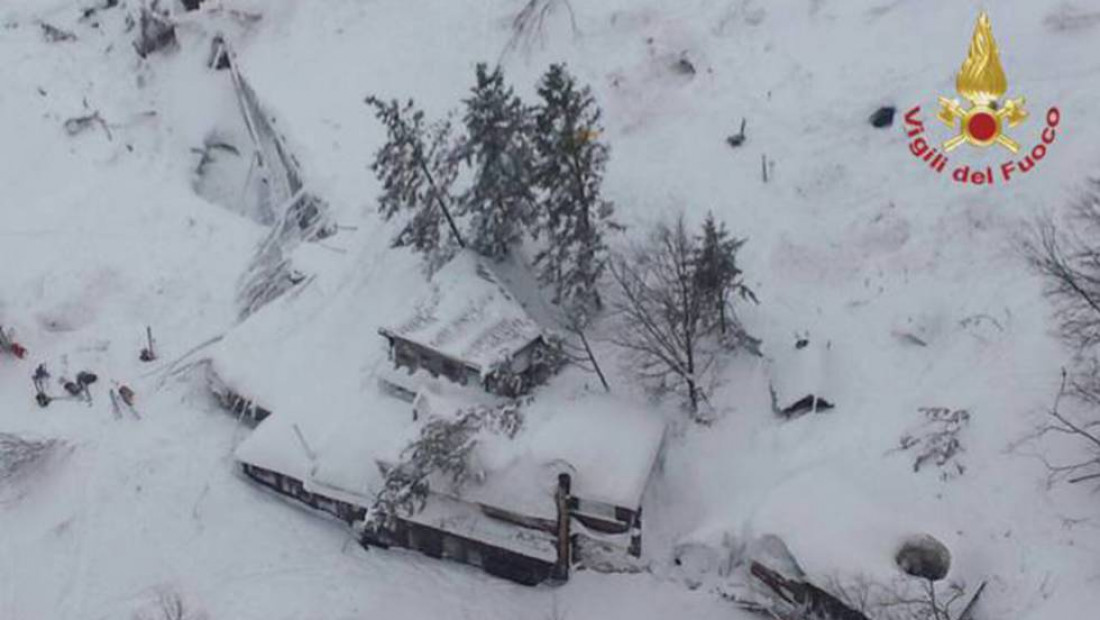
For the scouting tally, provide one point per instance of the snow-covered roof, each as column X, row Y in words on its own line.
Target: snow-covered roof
column 468, row 315
column 607, row 445
column 334, row 452
column 296, row 357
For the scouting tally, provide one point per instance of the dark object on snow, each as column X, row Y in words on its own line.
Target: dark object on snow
column 90, row 12
column 219, row 54
column 968, row 611
column 156, row 32
column 804, row 597
column 39, row 378
column 883, row 117
column 86, row 378
column 684, row 66
column 910, row 339
column 53, row 34
column 738, row 138
column 148, row 353
column 807, row 404
column 73, row 388
column 191, row 5
column 924, row 556
column 126, row 394
column 42, row 400
column 79, row 124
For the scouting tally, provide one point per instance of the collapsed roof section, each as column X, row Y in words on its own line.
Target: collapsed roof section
column 248, row 168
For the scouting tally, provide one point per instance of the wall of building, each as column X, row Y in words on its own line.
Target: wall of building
column 415, row 357
column 295, row 488
column 429, row 541
column 493, row 560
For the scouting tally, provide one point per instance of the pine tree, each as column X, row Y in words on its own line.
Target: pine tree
column 441, row 452
column 498, row 145
column 417, row 168
column 716, row 268
column 572, row 214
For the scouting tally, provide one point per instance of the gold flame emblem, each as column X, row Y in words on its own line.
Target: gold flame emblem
column 981, row 80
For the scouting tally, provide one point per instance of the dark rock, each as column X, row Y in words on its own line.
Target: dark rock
column 883, row 117
column 924, row 556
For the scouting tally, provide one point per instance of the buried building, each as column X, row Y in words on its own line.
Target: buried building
column 472, row 331
column 571, row 478
column 545, row 483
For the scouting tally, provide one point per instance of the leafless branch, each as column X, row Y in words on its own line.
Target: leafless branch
column 1068, row 259
column 528, row 26
column 1084, row 468
column 661, row 312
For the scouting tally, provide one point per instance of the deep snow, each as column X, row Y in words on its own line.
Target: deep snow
column 852, row 241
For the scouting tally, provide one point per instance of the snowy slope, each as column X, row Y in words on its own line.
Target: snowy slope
column 852, row 241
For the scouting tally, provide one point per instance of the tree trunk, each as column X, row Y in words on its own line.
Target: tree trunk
column 592, row 358
column 439, row 201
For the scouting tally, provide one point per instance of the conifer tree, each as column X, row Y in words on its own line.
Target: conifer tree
column 417, row 168
column 572, row 214
column 716, row 270
column 498, row 146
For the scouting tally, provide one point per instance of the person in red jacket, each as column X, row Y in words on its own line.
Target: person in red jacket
column 7, row 344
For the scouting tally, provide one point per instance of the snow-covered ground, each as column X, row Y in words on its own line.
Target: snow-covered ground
column 852, row 241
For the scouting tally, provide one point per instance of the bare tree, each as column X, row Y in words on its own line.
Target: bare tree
column 1081, row 468
column 903, row 598
column 662, row 311
column 1068, row 259
column 1069, row 262
column 530, row 21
